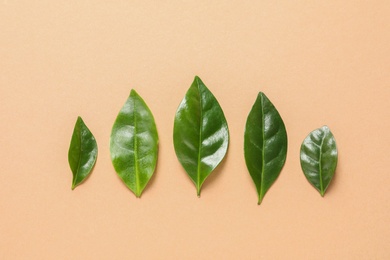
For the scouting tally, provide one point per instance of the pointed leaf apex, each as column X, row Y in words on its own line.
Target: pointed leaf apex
column 261, row 96
column 198, row 80
column 79, row 120
column 133, row 93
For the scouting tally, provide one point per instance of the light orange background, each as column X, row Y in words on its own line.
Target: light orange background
column 319, row 62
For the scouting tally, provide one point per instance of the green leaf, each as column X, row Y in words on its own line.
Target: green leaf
column 200, row 133
column 319, row 158
column 265, row 144
column 134, row 144
column 82, row 152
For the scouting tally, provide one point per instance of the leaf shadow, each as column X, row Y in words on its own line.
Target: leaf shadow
column 89, row 175
column 214, row 174
column 153, row 178
column 333, row 183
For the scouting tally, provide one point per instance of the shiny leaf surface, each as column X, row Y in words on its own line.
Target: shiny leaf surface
column 200, row 134
column 319, row 158
column 82, row 152
column 265, row 144
column 134, row 144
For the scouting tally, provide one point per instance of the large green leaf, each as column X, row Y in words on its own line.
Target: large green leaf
column 319, row 158
column 134, row 144
column 265, row 144
column 82, row 152
column 200, row 133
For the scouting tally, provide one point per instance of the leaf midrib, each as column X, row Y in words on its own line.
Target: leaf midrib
column 320, row 166
column 200, row 138
column 262, row 151
column 79, row 161
column 137, row 187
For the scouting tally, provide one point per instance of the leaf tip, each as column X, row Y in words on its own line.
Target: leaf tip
column 260, row 97
column 133, row 93
column 198, row 80
column 79, row 120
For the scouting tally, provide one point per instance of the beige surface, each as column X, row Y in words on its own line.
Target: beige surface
column 320, row 62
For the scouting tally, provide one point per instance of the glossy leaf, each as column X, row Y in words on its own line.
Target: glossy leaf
column 82, row 152
column 200, row 134
column 134, row 144
column 319, row 158
column 265, row 144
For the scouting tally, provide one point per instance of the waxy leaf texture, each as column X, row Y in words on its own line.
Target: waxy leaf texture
column 134, row 144
column 82, row 152
column 265, row 144
column 200, row 134
column 319, row 158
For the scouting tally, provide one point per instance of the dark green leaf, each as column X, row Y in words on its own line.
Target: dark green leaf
column 200, row 134
column 265, row 144
column 319, row 158
column 82, row 152
column 134, row 144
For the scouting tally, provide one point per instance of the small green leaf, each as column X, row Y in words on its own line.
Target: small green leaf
column 200, row 133
column 134, row 144
column 265, row 144
column 82, row 152
column 319, row 158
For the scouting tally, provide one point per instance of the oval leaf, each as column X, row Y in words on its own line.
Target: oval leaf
column 319, row 158
column 200, row 133
column 82, row 152
column 265, row 144
column 134, row 144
